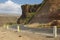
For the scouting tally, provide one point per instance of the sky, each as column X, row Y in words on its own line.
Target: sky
column 14, row 6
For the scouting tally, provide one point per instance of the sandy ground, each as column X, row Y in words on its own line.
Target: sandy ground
column 13, row 35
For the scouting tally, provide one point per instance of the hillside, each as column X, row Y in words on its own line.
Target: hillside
column 27, row 12
column 49, row 12
column 4, row 19
column 45, row 13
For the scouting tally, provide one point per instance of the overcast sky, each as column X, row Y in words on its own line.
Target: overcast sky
column 14, row 6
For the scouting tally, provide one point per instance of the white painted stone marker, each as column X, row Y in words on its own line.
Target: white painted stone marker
column 55, row 31
column 18, row 28
column 7, row 26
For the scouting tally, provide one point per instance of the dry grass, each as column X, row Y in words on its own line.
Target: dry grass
column 37, row 25
column 34, row 25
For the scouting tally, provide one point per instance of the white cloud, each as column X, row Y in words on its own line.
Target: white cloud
column 10, row 7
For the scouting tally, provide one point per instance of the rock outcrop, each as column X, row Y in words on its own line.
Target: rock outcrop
column 27, row 11
column 49, row 11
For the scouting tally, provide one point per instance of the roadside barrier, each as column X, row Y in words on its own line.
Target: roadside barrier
column 55, row 31
column 19, row 30
column 6, row 26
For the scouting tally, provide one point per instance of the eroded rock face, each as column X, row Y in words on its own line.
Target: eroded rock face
column 55, row 5
column 26, row 10
column 50, row 11
column 29, row 8
column 55, row 15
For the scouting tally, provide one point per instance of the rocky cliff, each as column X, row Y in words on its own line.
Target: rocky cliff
column 49, row 12
column 44, row 13
column 27, row 12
